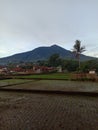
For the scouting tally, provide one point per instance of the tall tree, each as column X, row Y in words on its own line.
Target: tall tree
column 78, row 49
column 55, row 60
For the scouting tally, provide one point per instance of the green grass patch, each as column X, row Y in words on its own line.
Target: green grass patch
column 62, row 76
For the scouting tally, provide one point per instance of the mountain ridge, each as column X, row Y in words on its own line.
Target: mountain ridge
column 41, row 53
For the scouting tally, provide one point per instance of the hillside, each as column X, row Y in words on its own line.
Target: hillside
column 41, row 53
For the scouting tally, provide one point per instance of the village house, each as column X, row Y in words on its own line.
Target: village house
column 3, row 70
column 59, row 69
column 92, row 72
column 42, row 69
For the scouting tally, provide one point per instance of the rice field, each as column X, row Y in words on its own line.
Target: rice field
column 35, row 111
column 20, row 111
column 8, row 82
column 59, row 85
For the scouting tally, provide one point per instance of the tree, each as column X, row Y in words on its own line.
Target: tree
column 54, row 60
column 69, row 65
column 78, row 49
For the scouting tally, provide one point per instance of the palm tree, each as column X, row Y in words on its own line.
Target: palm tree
column 78, row 49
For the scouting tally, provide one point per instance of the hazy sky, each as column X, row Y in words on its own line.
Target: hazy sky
column 27, row 24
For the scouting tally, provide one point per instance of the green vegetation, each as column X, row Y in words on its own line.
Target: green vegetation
column 78, row 49
column 54, row 60
column 72, row 65
column 47, row 76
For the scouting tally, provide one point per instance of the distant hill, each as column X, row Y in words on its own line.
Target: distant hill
column 41, row 53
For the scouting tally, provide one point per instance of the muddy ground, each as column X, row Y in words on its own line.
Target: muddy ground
column 60, row 85
column 24, row 111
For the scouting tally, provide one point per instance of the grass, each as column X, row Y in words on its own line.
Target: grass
column 58, row 76
column 62, row 76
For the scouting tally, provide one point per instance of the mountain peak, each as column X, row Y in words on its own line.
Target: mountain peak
column 54, row 45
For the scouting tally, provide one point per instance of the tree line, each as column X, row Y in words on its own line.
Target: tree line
column 70, row 65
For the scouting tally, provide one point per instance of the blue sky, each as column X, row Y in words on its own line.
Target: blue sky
column 27, row 24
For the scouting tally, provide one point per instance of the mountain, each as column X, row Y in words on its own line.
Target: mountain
column 41, row 53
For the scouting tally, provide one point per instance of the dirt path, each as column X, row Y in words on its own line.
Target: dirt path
column 19, row 111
